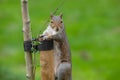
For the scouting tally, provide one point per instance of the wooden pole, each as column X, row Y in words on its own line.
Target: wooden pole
column 47, row 65
column 47, row 60
column 27, row 37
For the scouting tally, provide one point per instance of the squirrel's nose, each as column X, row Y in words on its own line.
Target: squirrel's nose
column 57, row 29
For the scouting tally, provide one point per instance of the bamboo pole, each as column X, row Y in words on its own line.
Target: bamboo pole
column 47, row 60
column 27, row 37
column 47, row 65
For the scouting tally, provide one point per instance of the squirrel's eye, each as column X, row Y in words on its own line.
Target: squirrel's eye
column 51, row 21
column 61, row 21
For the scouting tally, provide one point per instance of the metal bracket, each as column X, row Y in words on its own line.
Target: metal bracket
column 27, row 46
column 45, row 45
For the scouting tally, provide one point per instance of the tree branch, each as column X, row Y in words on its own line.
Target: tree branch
column 27, row 37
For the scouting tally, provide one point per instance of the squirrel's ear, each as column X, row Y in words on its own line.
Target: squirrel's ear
column 51, row 15
column 61, row 15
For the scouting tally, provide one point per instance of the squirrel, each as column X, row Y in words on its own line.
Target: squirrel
column 62, row 53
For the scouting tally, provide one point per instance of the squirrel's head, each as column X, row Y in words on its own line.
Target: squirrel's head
column 56, row 23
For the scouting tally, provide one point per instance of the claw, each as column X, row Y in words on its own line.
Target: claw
column 41, row 36
column 45, row 37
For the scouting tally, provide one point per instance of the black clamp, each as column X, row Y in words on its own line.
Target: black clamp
column 45, row 45
column 27, row 46
column 41, row 46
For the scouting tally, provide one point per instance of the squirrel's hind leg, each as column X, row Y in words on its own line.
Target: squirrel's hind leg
column 64, row 71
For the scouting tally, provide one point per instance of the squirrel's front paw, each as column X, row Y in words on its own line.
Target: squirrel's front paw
column 45, row 37
column 41, row 35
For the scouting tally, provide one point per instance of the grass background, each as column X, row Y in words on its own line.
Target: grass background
column 93, row 30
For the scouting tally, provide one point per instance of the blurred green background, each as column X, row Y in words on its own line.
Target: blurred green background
column 93, row 30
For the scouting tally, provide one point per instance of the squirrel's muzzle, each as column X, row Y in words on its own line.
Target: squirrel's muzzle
column 57, row 29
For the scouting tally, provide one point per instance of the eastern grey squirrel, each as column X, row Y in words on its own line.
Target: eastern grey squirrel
column 62, row 54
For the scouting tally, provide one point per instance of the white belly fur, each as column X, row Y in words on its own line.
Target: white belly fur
column 57, row 55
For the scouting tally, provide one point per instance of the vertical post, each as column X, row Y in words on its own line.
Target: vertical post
column 47, row 65
column 27, row 37
column 47, row 60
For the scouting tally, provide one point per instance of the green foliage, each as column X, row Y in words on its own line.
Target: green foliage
column 93, row 30
column 6, row 74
